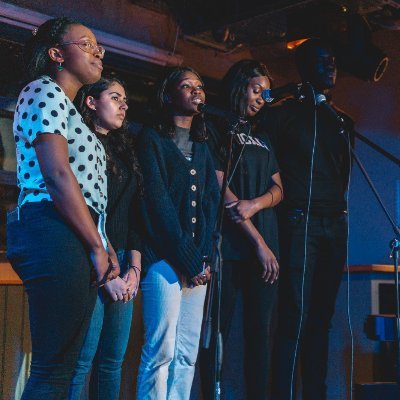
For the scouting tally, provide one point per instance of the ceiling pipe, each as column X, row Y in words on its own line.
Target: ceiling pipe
column 28, row 19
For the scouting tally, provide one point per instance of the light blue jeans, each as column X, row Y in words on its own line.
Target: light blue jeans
column 172, row 315
column 104, row 346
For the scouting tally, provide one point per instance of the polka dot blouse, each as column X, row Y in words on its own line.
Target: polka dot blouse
column 43, row 107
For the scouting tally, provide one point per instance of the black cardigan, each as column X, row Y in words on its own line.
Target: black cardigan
column 179, row 202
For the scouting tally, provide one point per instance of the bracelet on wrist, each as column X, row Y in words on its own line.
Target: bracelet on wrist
column 135, row 268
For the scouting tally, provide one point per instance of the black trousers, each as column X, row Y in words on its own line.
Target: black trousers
column 55, row 269
column 258, row 304
column 326, row 256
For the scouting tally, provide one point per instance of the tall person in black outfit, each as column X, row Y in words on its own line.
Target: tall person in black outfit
column 52, row 239
column 314, row 162
column 250, row 234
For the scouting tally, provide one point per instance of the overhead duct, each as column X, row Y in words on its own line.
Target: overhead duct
column 349, row 35
column 197, row 16
column 24, row 18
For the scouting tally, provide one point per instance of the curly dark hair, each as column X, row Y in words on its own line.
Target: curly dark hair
column 119, row 141
column 36, row 58
column 165, row 124
column 235, row 82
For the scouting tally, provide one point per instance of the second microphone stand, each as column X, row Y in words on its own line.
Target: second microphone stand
column 394, row 243
column 211, row 330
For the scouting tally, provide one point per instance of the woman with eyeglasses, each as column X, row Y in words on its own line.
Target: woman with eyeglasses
column 180, row 195
column 103, row 108
column 250, row 235
column 56, row 236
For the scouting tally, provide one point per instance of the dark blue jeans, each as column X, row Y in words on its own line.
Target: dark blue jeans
column 326, row 257
column 55, row 268
column 259, row 300
column 104, row 346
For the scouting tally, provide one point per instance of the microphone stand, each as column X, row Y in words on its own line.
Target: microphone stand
column 377, row 148
column 214, row 286
column 394, row 243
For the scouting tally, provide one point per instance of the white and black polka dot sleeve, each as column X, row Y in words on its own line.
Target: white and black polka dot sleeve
column 43, row 108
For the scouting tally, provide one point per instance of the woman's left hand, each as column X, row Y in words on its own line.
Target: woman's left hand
column 268, row 262
column 239, row 211
column 132, row 279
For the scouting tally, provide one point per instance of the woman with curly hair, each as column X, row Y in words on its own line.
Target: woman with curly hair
column 103, row 106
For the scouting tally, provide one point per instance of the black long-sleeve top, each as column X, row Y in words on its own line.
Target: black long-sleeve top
column 179, row 202
column 291, row 130
column 122, row 208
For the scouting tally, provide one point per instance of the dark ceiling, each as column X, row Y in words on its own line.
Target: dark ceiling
column 252, row 23
column 233, row 25
column 224, row 25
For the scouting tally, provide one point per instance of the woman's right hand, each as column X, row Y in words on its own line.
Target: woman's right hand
column 268, row 261
column 105, row 269
column 202, row 278
column 240, row 210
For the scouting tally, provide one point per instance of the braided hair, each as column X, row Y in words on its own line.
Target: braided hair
column 36, row 58
column 165, row 123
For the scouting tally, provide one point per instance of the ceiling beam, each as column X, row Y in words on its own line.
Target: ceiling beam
column 27, row 19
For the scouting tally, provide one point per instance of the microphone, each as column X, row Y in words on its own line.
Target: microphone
column 270, row 95
column 320, row 101
column 232, row 118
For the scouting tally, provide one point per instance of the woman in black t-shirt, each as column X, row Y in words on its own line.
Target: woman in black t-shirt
column 250, row 240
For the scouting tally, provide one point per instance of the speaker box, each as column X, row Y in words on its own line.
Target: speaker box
column 376, row 391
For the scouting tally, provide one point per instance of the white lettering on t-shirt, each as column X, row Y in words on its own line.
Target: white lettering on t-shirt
column 243, row 138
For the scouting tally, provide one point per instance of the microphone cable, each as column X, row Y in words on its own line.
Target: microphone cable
column 348, row 297
column 296, row 350
column 240, row 154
